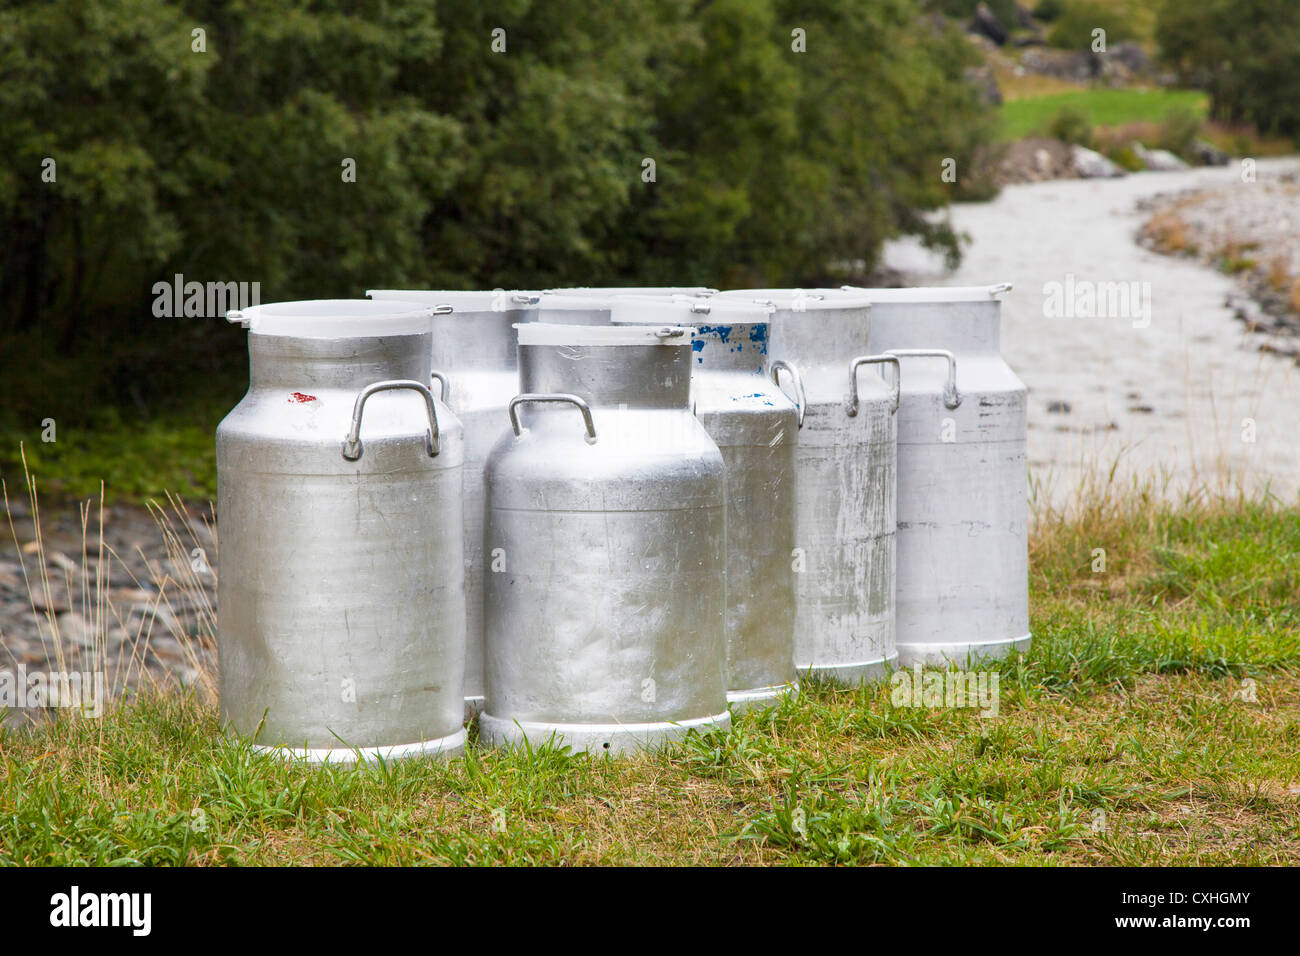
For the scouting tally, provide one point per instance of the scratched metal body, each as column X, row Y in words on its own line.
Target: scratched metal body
column 963, row 565
column 605, row 626
column 845, row 494
column 474, row 347
column 341, row 601
column 755, row 427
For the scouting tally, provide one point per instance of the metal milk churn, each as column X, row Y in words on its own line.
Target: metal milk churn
column 341, row 594
column 845, row 491
column 963, row 567
column 606, row 621
column 755, row 427
column 473, row 346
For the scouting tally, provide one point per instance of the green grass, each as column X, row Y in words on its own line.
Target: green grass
column 1122, row 738
column 141, row 421
column 137, row 459
column 1103, row 107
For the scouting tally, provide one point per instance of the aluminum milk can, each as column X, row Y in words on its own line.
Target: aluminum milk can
column 473, row 346
column 845, row 490
column 341, row 594
column 963, row 567
column 606, row 603
column 755, row 427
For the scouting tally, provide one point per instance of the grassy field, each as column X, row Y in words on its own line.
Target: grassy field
column 1156, row 720
column 136, row 460
column 1031, row 114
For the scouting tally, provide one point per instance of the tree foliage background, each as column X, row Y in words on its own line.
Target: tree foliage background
column 474, row 168
column 1245, row 53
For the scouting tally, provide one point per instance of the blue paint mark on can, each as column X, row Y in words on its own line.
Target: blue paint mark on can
column 720, row 332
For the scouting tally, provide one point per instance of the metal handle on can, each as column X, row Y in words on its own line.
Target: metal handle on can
column 444, row 386
column 801, row 400
column 951, row 398
column 862, row 360
column 552, row 397
column 352, row 449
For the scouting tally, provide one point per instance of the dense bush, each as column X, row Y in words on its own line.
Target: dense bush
column 1071, row 125
column 1125, row 157
column 475, row 167
column 1004, row 10
column 1245, row 53
column 1179, row 132
column 1048, row 10
column 1073, row 26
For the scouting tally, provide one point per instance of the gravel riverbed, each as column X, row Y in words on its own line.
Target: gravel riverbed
column 136, row 605
column 1173, row 388
column 1250, row 230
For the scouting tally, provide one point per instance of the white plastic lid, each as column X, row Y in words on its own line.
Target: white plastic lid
column 569, row 302
column 801, row 300
column 606, row 291
column 956, row 293
column 334, row 318
column 685, row 310
column 481, row 300
column 545, row 333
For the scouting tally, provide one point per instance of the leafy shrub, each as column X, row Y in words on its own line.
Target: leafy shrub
column 1179, row 132
column 1004, row 10
column 1245, row 53
column 1125, row 158
column 1071, row 125
column 1048, row 10
column 1073, row 27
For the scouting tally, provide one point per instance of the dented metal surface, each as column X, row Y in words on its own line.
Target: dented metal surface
column 845, row 517
column 755, row 427
column 962, row 483
column 605, row 608
column 341, row 614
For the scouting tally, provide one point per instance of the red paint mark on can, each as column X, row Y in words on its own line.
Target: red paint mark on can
column 299, row 397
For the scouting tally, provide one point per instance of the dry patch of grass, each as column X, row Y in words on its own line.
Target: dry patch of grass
column 1169, row 233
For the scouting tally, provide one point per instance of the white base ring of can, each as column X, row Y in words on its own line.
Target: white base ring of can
column 866, row 672
column 757, row 698
column 961, row 653
column 453, row 745
column 594, row 738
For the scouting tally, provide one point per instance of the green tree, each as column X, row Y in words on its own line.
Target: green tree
column 885, row 106
column 494, row 144
column 216, row 154
column 1073, row 26
column 1245, row 53
column 98, row 116
column 791, row 158
column 556, row 125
